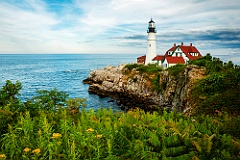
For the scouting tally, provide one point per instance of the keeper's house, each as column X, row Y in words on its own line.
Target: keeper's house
column 178, row 54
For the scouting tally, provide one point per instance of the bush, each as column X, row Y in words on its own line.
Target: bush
column 218, row 91
column 149, row 69
column 130, row 67
column 176, row 69
column 9, row 93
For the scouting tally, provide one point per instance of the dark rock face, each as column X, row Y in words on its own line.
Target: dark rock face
column 135, row 91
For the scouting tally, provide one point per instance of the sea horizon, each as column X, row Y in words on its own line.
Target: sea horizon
column 65, row 72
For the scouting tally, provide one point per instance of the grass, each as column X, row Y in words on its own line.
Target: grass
column 105, row 134
column 176, row 69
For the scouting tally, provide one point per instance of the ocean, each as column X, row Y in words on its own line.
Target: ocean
column 65, row 72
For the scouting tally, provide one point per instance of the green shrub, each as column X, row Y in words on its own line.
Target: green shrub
column 218, row 91
column 176, row 69
column 9, row 93
column 132, row 66
column 149, row 69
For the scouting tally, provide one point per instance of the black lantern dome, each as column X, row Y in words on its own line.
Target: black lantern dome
column 151, row 26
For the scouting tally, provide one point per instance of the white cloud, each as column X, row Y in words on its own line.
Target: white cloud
column 35, row 26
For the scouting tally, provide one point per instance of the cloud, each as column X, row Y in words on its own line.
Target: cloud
column 78, row 26
column 220, row 38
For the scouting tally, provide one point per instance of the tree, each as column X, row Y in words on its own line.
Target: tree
column 51, row 99
column 9, row 92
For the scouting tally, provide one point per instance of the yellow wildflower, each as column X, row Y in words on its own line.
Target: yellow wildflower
column 3, row 156
column 99, row 136
column 56, row 135
column 90, row 130
column 36, row 151
column 94, row 119
column 26, row 150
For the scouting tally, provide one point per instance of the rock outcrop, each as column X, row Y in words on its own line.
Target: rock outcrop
column 135, row 90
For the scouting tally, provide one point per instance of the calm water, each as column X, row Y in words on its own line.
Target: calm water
column 62, row 71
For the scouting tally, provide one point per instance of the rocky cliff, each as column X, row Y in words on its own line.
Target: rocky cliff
column 135, row 90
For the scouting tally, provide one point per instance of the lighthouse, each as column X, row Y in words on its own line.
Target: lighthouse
column 151, row 49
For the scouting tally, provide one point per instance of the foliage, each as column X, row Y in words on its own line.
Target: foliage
column 214, row 65
column 147, row 69
column 202, row 61
column 176, row 69
column 107, row 135
column 43, row 133
column 9, row 92
column 220, row 90
column 50, row 99
column 130, row 67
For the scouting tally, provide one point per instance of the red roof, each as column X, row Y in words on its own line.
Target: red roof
column 142, row 57
column 190, row 49
column 173, row 48
column 158, row 58
column 187, row 50
column 175, row 60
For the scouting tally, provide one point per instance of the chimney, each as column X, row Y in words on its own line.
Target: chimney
column 190, row 44
column 182, row 44
column 174, row 45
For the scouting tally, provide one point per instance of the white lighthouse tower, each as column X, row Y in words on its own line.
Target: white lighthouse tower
column 151, row 49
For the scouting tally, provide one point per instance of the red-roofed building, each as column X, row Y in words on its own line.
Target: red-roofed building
column 158, row 58
column 141, row 59
column 171, row 61
column 178, row 54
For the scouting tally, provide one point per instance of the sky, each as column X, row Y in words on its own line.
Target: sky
column 119, row 26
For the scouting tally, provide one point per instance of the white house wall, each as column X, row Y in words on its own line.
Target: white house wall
column 178, row 52
column 165, row 64
column 172, row 64
column 186, row 59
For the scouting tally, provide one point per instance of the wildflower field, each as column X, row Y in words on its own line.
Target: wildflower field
column 53, row 126
column 107, row 135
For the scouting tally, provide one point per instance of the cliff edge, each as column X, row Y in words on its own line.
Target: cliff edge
column 134, row 89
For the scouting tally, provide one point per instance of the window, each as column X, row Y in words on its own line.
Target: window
column 149, row 45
